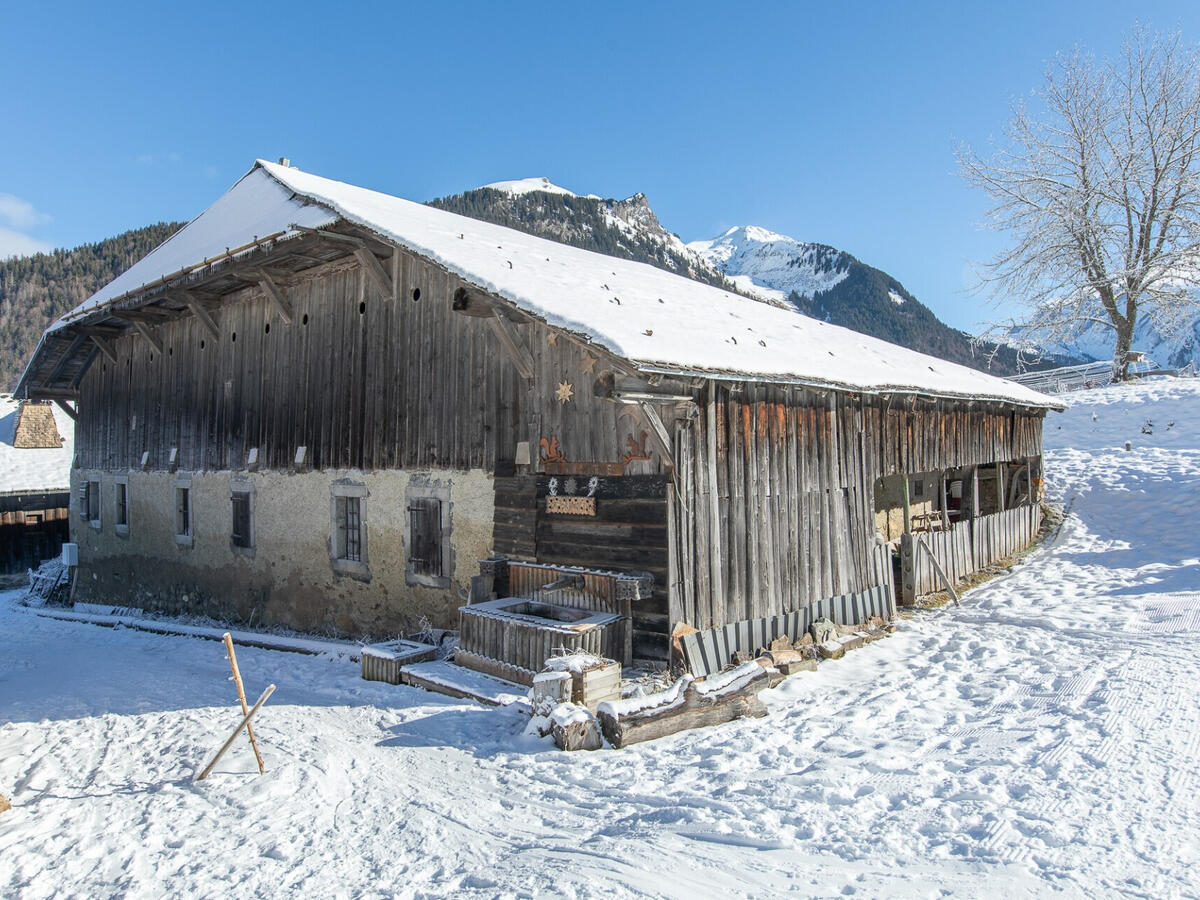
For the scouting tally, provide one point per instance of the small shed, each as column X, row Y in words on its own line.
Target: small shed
column 35, row 472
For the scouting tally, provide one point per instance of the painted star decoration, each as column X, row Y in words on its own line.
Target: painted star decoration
column 564, row 392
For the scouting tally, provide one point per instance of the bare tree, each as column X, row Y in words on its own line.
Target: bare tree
column 1100, row 193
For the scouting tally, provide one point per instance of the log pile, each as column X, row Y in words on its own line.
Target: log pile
column 686, row 704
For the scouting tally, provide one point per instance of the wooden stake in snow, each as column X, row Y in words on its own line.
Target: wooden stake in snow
column 237, row 679
column 245, row 722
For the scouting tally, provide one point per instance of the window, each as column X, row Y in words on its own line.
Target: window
column 183, row 511
column 427, row 513
column 91, row 503
column 241, row 529
column 348, row 529
column 121, row 504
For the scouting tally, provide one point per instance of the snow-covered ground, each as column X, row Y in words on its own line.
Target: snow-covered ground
column 1044, row 739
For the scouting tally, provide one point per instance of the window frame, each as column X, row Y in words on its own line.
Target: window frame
column 242, row 489
column 420, row 489
column 93, row 501
column 187, row 536
column 345, row 490
column 121, row 502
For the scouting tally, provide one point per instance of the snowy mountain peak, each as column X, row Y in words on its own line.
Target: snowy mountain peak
column 528, row 185
column 773, row 265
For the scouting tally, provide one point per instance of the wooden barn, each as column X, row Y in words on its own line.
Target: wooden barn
column 35, row 471
column 323, row 406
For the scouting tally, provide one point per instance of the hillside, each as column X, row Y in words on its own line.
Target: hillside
column 625, row 228
column 36, row 290
column 819, row 281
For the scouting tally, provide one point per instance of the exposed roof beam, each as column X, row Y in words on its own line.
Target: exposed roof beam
column 105, row 347
column 275, row 295
column 370, row 264
column 80, row 340
column 62, row 404
column 87, row 364
column 659, row 431
column 203, row 316
column 144, row 331
column 511, row 343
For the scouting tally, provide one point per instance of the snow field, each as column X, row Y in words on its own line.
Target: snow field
column 1043, row 739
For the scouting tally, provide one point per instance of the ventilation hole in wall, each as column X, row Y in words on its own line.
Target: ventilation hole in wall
column 170, row 351
column 304, row 319
column 362, row 307
column 416, row 294
column 202, row 345
column 233, row 338
column 267, row 328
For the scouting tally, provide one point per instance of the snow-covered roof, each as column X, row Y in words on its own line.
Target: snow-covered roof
column 657, row 320
column 34, row 470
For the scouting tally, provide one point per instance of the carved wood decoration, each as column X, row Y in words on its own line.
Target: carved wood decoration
column 571, row 506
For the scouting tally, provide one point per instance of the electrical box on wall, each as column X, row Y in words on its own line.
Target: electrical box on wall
column 70, row 554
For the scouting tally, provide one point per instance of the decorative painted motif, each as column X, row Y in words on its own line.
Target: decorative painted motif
column 637, row 449
column 571, row 506
column 551, row 451
column 564, row 392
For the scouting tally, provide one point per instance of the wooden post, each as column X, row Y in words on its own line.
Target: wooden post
column 715, row 559
column 908, row 574
column 244, row 723
column 907, row 504
column 1000, row 486
column 937, row 567
column 237, row 680
column 974, row 491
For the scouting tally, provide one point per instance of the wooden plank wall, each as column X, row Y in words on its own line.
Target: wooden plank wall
column 362, row 380
column 792, row 472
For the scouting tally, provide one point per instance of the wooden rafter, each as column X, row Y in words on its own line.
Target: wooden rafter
column 62, row 404
column 105, row 347
column 80, row 340
column 658, row 431
column 371, row 265
column 275, row 295
column 203, row 317
column 144, row 330
column 511, row 343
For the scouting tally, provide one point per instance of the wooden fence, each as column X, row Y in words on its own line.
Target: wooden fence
column 710, row 651
column 966, row 548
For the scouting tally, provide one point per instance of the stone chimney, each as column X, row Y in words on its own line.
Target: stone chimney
column 36, row 428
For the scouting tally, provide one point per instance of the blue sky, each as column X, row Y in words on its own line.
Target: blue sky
column 828, row 122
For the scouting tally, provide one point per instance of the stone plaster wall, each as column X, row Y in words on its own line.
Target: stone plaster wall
column 289, row 578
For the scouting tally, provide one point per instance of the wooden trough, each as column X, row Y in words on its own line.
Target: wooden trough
column 514, row 636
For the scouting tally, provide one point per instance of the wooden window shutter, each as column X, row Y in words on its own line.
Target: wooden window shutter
column 425, row 536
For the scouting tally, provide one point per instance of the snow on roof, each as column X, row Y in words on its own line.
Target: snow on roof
column 34, row 470
column 527, row 185
column 653, row 318
column 255, row 207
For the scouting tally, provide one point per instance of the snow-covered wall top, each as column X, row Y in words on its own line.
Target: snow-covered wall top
column 34, row 470
column 651, row 317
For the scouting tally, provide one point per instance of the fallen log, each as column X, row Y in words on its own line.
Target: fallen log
column 686, row 704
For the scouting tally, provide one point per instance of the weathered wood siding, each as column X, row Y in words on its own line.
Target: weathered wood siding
column 361, row 380
column 776, row 491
